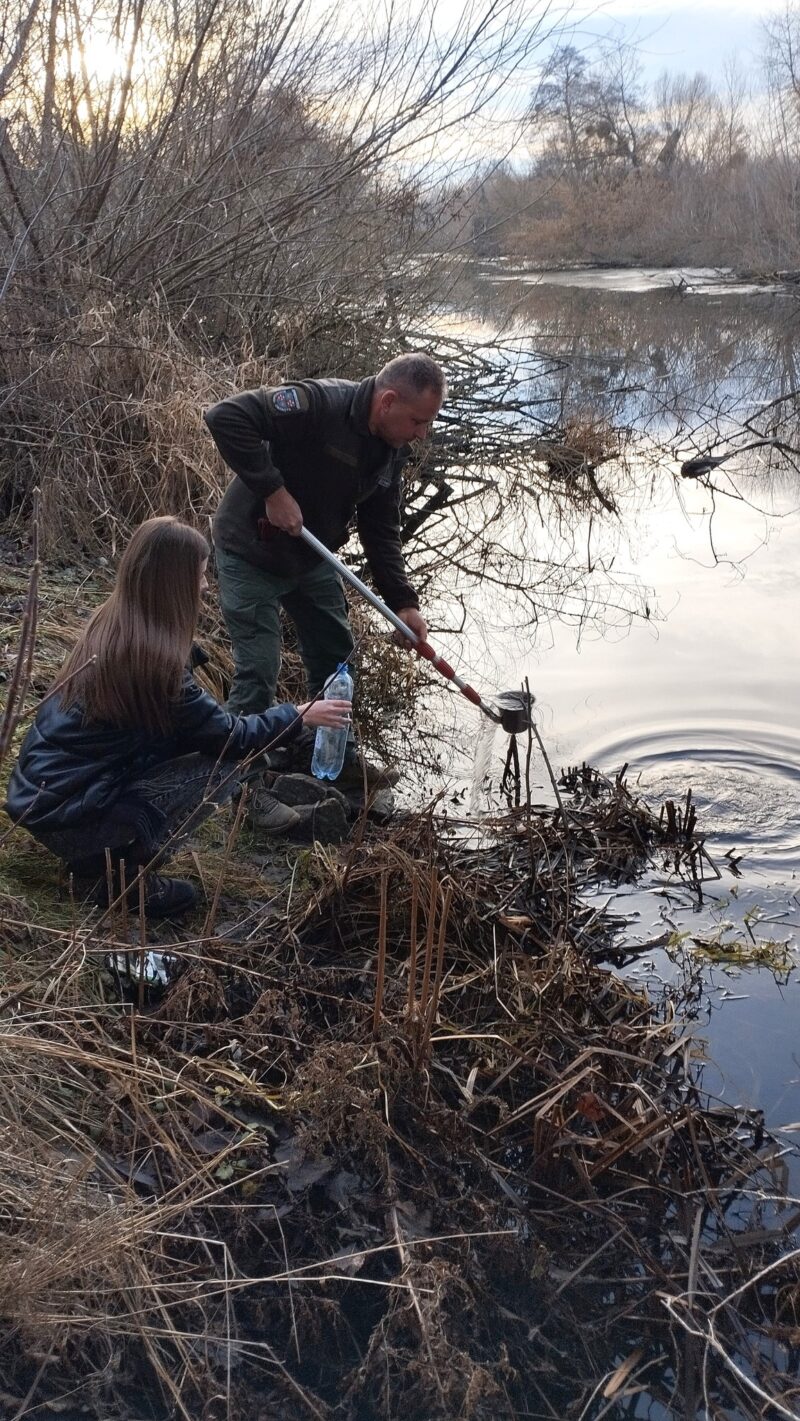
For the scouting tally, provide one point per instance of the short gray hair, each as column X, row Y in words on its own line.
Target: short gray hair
column 414, row 372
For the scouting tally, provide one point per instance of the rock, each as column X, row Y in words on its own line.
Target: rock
column 380, row 804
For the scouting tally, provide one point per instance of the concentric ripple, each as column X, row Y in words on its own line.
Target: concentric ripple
column 745, row 783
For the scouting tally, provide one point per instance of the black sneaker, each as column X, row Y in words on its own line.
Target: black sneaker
column 168, row 897
column 163, row 897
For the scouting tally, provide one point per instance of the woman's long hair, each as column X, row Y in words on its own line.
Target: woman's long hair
column 128, row 666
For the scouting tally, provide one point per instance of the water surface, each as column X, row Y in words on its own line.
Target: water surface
column 683, row 663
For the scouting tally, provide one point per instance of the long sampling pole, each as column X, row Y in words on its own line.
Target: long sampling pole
column 422, row 648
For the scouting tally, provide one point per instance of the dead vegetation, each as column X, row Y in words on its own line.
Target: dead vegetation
column 393, row 1143
column 403, row 1150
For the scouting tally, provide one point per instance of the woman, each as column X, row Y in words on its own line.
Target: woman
column 126, row 750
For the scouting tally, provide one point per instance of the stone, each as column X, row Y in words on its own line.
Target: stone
column 380, row 804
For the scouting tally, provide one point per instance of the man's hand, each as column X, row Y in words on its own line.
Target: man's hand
column 415, row 622
column 284, row 511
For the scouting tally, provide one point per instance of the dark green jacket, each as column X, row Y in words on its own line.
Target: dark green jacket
column 312, row 438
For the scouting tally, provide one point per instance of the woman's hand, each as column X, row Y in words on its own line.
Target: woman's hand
column 335, row 715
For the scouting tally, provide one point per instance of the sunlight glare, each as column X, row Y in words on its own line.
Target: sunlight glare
column 105, row 59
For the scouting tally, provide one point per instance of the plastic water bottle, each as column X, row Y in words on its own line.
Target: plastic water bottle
column 330, row 745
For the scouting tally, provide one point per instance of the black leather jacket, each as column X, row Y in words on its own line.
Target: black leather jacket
column 69, row 770
column 312, row 438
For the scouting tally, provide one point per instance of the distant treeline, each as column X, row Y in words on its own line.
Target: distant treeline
column 679, row 171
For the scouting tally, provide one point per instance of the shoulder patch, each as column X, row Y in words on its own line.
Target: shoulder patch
column 288, row 399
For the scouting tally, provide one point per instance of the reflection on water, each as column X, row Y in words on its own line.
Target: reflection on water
column 697, row 281
column 745, row 785
column 637, row 347
column 703, row 693
column 703, row 689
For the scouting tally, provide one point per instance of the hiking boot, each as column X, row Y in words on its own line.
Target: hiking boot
column 379, row 803
column 269, row 815
column 324, row 823
column 355, row 771
column 296, row 790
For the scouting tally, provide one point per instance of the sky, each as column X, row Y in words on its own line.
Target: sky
column 685, row 35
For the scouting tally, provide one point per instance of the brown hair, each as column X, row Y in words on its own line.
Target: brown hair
column 128, row 666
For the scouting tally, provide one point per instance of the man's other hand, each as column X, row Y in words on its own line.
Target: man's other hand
column 284, row 512
column 415, row 622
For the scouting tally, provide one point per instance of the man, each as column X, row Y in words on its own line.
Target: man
column 316, row 452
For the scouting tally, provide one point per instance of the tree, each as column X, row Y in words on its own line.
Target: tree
column 590, row 119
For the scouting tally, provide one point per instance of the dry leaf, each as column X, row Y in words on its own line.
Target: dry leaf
column 590, row 1106
column 516, row 922
column 622, row 1373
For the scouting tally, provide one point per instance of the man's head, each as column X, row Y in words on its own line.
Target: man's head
column 407, row 398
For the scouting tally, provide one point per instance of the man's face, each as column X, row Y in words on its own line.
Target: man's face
column 398, row 417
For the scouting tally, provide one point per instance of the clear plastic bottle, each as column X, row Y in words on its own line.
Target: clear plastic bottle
column 330, row 745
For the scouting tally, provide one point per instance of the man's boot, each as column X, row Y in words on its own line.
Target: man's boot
column 356, row 772
column 268, row 815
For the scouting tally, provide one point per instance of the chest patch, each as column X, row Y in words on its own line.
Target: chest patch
column 286, row 399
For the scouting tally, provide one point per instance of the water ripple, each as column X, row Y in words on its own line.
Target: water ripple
column 745, row 782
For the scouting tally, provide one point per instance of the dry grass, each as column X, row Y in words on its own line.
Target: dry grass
column 359, row 1159
column 114, row 415
column 389, row 1144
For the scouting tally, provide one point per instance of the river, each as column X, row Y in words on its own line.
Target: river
column 682, row 660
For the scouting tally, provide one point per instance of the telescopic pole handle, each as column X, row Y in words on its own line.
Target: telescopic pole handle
column 423, row 648
column 360, row 586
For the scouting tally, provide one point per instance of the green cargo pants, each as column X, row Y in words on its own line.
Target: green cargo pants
column 251, row 601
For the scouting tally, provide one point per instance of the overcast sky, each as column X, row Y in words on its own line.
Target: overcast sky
column 685, row 35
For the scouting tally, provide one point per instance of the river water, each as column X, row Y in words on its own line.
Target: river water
column 685, row 665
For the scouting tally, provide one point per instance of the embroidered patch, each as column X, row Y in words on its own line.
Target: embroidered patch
column 286, row 399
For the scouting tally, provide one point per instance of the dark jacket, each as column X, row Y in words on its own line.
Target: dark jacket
column 69, row 771
column 312, row 438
